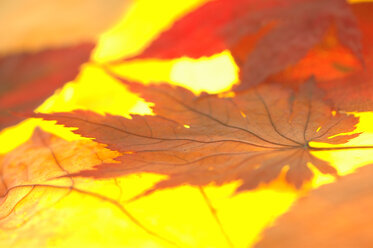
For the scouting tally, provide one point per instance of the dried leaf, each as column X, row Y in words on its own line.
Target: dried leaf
column 43, row 45
column 336, row 215
column 355, row 92
column 28, row 79
column 251, row 137
column 35, row 203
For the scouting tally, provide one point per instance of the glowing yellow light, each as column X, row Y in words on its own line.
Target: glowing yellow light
column 214, row 74
column 180, row 213
column 139, row 27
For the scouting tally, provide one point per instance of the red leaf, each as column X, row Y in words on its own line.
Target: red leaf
column 355, row 92
column 264, row 36
column 28, row 79
column 346, row 83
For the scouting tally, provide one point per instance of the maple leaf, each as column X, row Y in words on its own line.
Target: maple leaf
column 346, row 83
column 45, row 48
column 48, row 184
column 264, row 36
column 27, row 79
column 335, row 215
column 30, row 192
column 355, row 91
column 251, row 137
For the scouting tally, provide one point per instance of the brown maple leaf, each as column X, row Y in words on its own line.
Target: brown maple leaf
column 30, row 191
column 336, row 215
column 45, row 48
column 27, row 79
column 251, row 137
column 264, row 36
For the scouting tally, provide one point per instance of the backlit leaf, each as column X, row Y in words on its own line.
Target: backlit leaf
column 251, row 137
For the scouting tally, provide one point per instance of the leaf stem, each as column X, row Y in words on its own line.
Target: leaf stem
column 338, row 148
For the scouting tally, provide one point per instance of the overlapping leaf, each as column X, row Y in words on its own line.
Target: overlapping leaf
column 31, row 196
column 26, row 80
column 28, row 172
column 355, row 92
column 346, row 83
column 43, row 47
column 251, row 137
column 336, row 215
column 330, row 40
column 264, row 36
